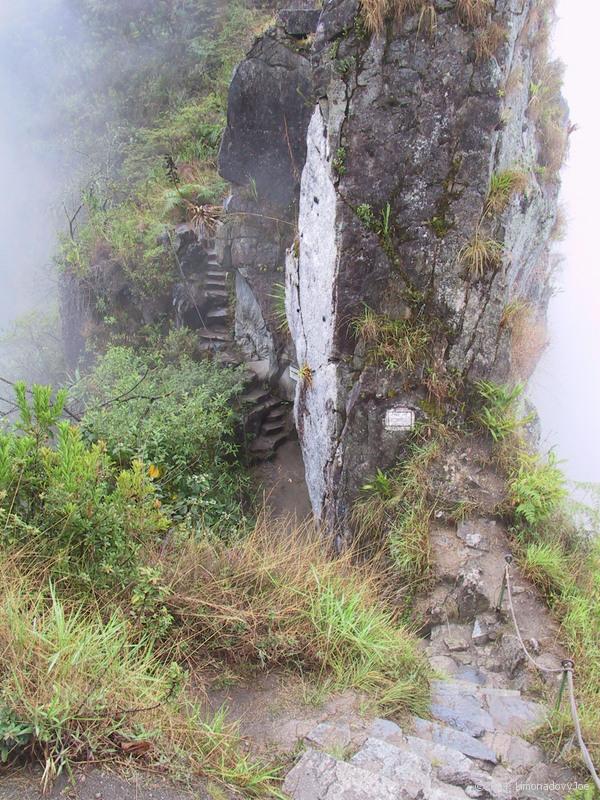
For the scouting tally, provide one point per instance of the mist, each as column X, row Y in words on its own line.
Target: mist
column 566, row 385
column 33, row 175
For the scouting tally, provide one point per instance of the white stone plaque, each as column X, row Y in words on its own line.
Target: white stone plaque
column 399, row 418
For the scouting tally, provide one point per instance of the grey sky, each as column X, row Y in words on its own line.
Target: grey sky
column 566, row 387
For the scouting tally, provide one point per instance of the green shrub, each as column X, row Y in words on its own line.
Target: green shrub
column 68, row 501
column 178, row 419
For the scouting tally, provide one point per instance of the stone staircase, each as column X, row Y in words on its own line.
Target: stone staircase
column 475, row 742
column 217, row 318
column 473, row 747
column 267, row 419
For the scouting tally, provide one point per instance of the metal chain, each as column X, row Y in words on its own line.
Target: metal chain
column 517, row 629
column 566, row 669
column 582, row 746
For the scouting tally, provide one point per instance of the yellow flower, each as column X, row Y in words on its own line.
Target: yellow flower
column 153, row 471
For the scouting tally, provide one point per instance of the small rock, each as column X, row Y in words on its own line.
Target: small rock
column 456, row 644
column 444, row 665
column 534, row 645
column 298, row 21
column 511, row 655
column 328, row 735
column 480, row 634
column 472, row 596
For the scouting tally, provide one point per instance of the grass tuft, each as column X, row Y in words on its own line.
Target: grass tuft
column 279, row 599
column 397, row 344
column 504, row 186
column 480, row 254
column 489, row 40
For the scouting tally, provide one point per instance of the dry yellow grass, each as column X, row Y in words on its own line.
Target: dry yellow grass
column 529, row 339
column 375, row 12
column 481, row 253
column 489, row 40
column 473, row 12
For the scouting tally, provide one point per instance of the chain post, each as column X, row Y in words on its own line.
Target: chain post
column 508, row 558
column 568, row 665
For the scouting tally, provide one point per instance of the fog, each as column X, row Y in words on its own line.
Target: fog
column 31, row 163
column 566, row 385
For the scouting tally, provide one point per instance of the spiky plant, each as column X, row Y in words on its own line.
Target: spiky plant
column 481, row 253
column 279, row 312
column 503, row 186
column 305, row 374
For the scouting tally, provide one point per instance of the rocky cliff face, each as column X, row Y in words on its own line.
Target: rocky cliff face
column 411, row 176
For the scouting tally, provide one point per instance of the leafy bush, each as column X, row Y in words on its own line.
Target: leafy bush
column 68, row 500
column 177, row 418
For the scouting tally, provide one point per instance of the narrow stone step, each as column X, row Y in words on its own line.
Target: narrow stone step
column 281, row 410
column 255, row 396
column 476, row 710
column 221, row 294
column 457, row 740
column 318, row 776
column 267, row 444
column 470, row 687
column 217, row 313
column 273, row 427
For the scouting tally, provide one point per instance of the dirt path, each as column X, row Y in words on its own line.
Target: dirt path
column 281, row 482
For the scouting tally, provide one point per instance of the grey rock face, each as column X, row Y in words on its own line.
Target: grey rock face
column 406, row 131
column 267, row 117
column 420, row 126
column 299, row 21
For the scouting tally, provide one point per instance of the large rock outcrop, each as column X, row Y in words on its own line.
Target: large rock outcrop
column 402, row 280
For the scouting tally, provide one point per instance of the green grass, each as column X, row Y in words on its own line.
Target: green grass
column 503, row 186
column 394, row 512
column 71, row 676
column 497, row 412
column 279, row 310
